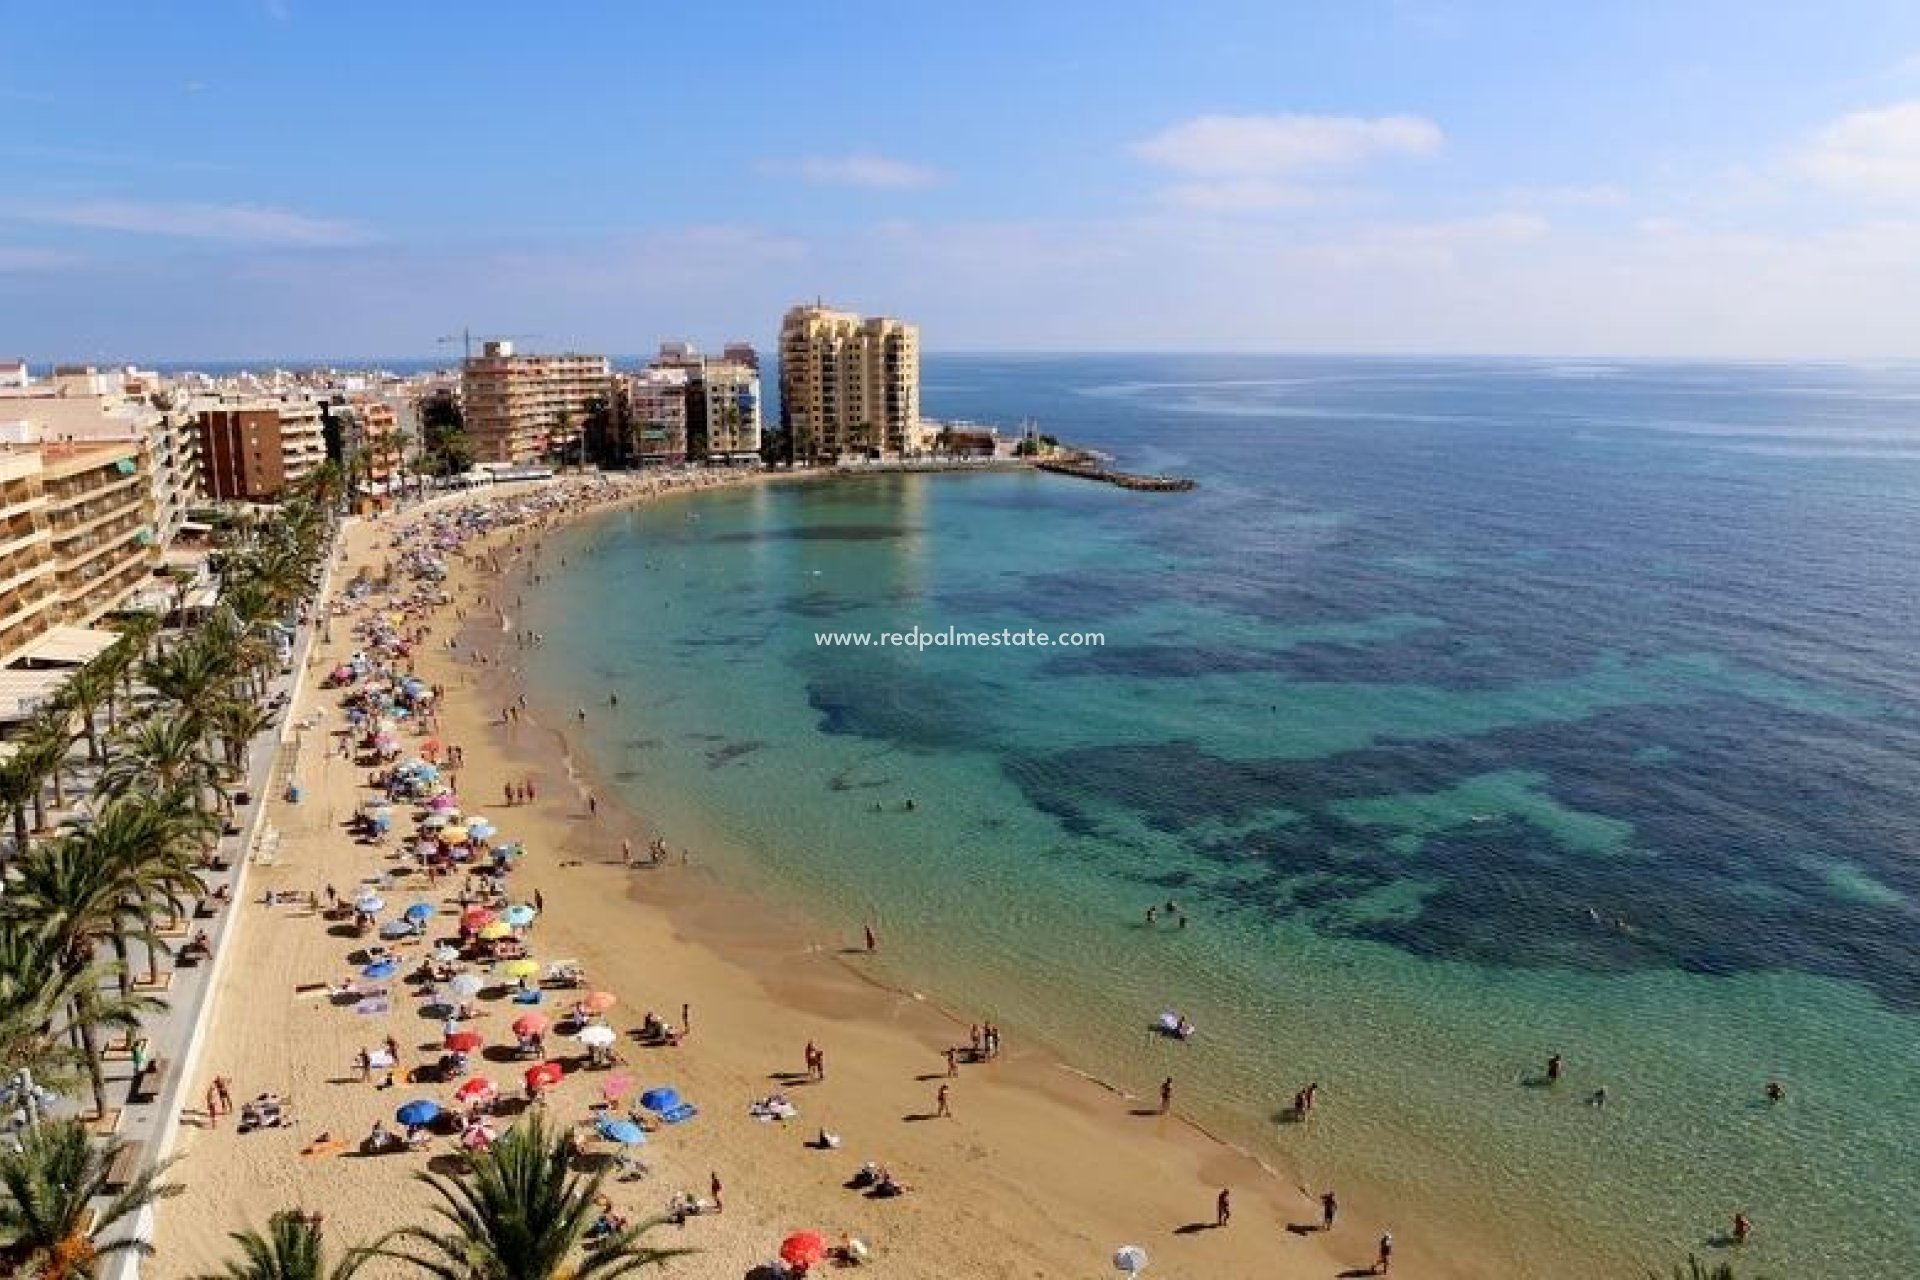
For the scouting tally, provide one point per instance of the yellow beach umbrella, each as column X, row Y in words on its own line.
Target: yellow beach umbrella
column 454, row 835
column 497, row 930
column 522, row 968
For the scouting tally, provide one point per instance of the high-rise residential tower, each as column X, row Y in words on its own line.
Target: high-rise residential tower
column 849, row 385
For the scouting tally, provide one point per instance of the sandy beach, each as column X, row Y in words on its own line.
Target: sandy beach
column 1040, row 1170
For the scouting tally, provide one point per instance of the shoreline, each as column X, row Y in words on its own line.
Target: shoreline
column 1051, row 1207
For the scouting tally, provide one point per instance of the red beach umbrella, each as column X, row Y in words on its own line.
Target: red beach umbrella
column 544, row 1075
column 476, row 918
column 531, row 1024
column 477, row 1089
column 804, row 1249
column 464, row 1041
column 599, row 1001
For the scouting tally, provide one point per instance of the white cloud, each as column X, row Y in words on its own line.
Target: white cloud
column 240, row 224
column 1285, row 145
column 1873, row 153
column 871, row 171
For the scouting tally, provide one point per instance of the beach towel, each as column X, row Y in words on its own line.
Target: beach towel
column 331, row 1147
column 373, row 1006
column 528, row 997
column 684, row 1111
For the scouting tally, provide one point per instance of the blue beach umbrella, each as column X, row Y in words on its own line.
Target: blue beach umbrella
column 418, row 1112
column 519, row 915
column 381, row 969
column 624, row 1132
column 418, row 912
column 661, row 1099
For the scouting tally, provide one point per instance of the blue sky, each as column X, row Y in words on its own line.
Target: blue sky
column 261, row 178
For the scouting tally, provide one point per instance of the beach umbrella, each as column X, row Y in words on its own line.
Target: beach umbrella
column 598, row 1001
column 544, row 1075
column 804, row 1249
column 624, row 1132
column 525, row 968
column 475, row 917
column 1130, row 1258
column 481, row 827
column 477, row 1089
column 616, row 1087
column 369, row 903
column 598, row 1037
column 531, row 1024
column 381, row 969
column 665, row 1098
column 453, row 835
column 446, row 954
column 418, row 912
column 433, row 821
column 519, row 915
column 497, row 930
column 465, row 985
column 477, row 1138
column 418, row 1112
column 396, row 929
column 464, row 1041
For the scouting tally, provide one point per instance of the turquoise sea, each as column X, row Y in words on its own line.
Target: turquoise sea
column 1473, row 711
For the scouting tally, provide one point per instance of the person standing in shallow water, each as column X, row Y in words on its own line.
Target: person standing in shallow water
column 1554, row 1067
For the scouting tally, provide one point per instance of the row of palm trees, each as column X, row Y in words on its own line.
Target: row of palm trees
column 519, row 1213
column 76, row 904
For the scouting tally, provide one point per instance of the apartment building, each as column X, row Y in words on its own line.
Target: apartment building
column 29, row 596
column 82, row 403
column 255, row 450
column 523, row 408
column 723, row 413
column 99, row 515
column 849, row 385
column 657, row 408
column 371, row 446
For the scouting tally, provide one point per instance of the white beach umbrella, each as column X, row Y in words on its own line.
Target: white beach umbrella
column 464, row 986
column 598, row 1036
column 1130, row 1258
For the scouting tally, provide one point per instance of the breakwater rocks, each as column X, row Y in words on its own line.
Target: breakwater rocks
column 1087, row 469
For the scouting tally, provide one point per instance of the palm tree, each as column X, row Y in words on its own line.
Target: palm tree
column 520, row 1215
column 23, row 780
column 238, row 721
column 290, row 1250
column 167, row 753
column 86, row 691
column 38, row 995
column 52, row 1183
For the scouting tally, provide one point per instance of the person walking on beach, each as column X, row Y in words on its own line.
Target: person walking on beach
column 1329, row 1210
column 686, row 1018
column 873, row 943
column 1223, row 1207
column 221, row 1091
column 941, row 1107
column 713, row 1191
column 953, row 1062
column 1383, row 1260
column 626, row 853
column 213, row 1107
column 1166, row 1095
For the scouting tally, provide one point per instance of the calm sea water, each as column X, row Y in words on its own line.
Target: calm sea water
column 1474, row 711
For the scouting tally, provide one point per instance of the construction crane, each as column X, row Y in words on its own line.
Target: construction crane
column 465, row 339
